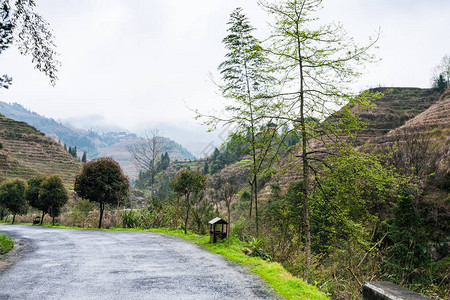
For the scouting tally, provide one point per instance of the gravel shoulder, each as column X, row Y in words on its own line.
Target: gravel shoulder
column 87, row 264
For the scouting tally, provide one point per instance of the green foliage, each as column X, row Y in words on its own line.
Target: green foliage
column 255, row 248
column 12, row 196
column 354, row 192
column 53, row 195
column 205, row 168
column 32, row 192
column 31, row 35
column 6, row 244
column 441, row 77
column 408, row 243
column 229, row 154
column 144, row 180
column 102, row 180
column 163, row 163
column 441, row 83
column 73, row 151
column 84, row 157
column 282, row 222
column 187, row 183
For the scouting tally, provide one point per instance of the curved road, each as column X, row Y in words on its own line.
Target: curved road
column 89, row 264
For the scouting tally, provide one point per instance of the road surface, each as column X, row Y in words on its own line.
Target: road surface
column 90, row 264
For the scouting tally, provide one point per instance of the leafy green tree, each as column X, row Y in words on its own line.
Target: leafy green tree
column 205, row 170
column 84, row 157
column 246, row 83
column 12, row 196
column 102, row 180
column 32, row 194
column 164, row 162
column 441, row 76
column 318, row 63
column 53, row 195
column 19, row 22
column 185, row 184
column 407, row 242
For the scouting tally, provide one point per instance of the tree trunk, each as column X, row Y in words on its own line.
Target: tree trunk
column 229, row 223
column 53, row 221
column 14, row 218
column 251, row 199
column 42, row 219
column 305, row 166
column 256, row 205
column 102, row 207
column 152, row 181
column 187, row 214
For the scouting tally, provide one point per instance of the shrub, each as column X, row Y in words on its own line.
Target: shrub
column 6, row 244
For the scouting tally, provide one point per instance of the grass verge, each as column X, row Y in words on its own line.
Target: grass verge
column 6, row 244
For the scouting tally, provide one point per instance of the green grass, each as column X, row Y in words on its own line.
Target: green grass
column 6, row 244
column 281, row 281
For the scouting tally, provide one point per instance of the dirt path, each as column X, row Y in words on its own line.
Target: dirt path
column 87, row 264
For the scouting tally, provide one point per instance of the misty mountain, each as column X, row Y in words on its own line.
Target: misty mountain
column 113, row 144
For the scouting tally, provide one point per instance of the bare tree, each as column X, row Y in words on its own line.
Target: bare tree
column 228, row 190
column 414, row 152
column 147, row 154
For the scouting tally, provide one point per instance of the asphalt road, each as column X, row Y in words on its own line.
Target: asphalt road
column 89, row 264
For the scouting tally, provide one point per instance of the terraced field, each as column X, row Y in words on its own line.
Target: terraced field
column 26, row 152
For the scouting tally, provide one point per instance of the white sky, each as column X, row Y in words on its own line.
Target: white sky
column 138, row 64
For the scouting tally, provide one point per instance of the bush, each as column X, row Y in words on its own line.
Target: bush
column 6, row 244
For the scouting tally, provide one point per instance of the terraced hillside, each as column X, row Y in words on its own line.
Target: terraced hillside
column 426, row 133
column 395, row 108
column 26, row 152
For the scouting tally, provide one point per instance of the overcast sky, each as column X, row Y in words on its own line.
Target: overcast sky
column 139, row 64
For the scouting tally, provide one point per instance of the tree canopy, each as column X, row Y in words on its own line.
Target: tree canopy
column 53, row 195
column 102, row 180
column 186, row 183
column 12, row 196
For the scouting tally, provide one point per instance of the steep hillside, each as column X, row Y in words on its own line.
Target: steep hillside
column 424, row 139
column 393, row 109
column 26, row 152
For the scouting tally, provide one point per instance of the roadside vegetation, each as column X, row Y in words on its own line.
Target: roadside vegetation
column 6, row 244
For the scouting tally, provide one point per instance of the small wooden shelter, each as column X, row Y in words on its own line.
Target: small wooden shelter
column 214, row 231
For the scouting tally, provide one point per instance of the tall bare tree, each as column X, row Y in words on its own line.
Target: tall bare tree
column 147, row 154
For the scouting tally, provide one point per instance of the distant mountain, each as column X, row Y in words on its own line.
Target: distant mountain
column 26, row 152
column 82, row 139
column 119, row 151
column 112, row 144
